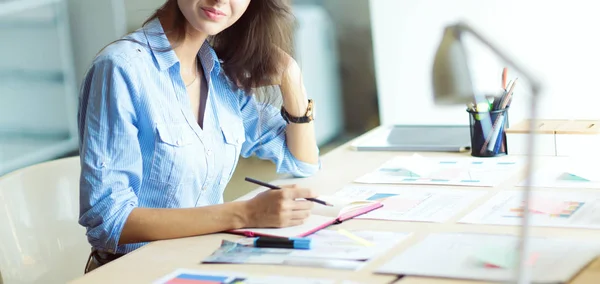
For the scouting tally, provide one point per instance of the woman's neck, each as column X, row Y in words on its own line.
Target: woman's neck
column 185, row 48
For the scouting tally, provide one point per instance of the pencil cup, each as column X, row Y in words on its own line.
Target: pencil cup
column 488, row 135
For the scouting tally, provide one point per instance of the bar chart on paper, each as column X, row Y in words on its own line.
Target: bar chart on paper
column 191, row 276
column 569, row 173
column 444, row 171
column 491, row 258
column 425, row 204
column 548, row 209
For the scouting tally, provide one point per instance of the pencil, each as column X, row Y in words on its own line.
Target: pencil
column 504, row 74
column 505, row 102
column 270, row 186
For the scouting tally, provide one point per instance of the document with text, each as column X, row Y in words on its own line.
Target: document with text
column 423, row 204
column 548, row 209
column 566, row 173
column 492, row 258
column 460, row 171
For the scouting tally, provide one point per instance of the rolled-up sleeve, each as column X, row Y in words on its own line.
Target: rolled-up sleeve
column 111, row 163
column 265, row 138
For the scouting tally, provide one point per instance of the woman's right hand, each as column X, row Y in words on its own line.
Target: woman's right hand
column 279, row 208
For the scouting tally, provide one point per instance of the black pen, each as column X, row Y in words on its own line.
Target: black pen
column 277, row 187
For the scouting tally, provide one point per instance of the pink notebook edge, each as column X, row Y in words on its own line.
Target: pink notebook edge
column 339, row 219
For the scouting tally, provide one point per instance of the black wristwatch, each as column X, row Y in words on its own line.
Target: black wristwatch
column 308, row 116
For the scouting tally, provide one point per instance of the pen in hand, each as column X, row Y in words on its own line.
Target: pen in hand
column 270, row 186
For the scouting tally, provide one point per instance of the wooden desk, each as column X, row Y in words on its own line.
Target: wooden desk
column 340, row 167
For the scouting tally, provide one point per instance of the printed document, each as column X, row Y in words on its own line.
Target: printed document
column 423, row 204
column 492, row 258
column 548, row 209
column 444, row 171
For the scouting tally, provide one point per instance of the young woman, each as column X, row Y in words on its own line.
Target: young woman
column 166, row 112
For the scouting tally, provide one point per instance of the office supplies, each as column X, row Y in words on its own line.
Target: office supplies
column 499, row 123
column 277, row 187
column 482, row 128
column 434, row 138
column 548, row 209
column 463, row 171
column 423, row 204
column 329, row 248
column 498, row 100
column 504, row 74
column 292, row 243
column 342, row 209
column 192, row 276
column 487, row 257
column 238, row 253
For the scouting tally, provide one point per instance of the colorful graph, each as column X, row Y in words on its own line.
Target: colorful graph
column 563, row 209
column 393, row 202
column 441, row 175
column 188, row 278
column 381, row 196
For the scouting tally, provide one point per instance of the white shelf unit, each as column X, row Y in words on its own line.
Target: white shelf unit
column 316, row 52
column 38, row 97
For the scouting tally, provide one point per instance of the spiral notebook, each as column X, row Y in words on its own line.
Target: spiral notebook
column 321, row 217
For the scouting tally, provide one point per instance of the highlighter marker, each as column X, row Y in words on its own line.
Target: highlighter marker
column 291, row 243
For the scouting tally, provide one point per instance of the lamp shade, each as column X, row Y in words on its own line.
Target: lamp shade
column 452, row 82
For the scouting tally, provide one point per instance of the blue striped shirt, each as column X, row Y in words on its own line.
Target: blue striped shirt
column 141, row 145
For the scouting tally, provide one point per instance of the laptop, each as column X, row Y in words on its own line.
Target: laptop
column 423, row 138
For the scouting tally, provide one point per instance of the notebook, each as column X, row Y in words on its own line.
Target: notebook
column 321, row 217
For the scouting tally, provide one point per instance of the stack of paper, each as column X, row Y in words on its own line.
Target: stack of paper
column 189, row 276
column 444, row 171
column 330, row 249
column 492, row 258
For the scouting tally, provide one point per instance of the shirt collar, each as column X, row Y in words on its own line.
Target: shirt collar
column 164, row 54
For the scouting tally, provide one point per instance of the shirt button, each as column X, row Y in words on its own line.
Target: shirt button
column 209, row 152
column 178, row 143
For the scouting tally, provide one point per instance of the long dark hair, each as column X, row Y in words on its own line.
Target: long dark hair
column 253, row 49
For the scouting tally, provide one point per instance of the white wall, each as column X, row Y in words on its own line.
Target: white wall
column 94, row 24
column 139, row 10
column 555, row 39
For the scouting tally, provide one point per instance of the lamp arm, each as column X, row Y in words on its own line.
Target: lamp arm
column 522, row 271
column 461, row 27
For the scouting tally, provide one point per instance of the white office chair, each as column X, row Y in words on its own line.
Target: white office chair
column 40, row 239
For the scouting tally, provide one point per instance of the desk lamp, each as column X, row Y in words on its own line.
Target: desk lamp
column 452, row 85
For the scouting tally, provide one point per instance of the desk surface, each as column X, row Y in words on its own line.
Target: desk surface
column 340, row 167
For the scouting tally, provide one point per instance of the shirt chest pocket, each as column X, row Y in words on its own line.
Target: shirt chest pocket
column 233, row 138
column 173, row 158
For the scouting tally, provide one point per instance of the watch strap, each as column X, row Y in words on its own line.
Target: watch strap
column 308, row 116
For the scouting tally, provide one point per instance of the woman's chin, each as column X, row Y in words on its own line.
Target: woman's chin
column 209, row 28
